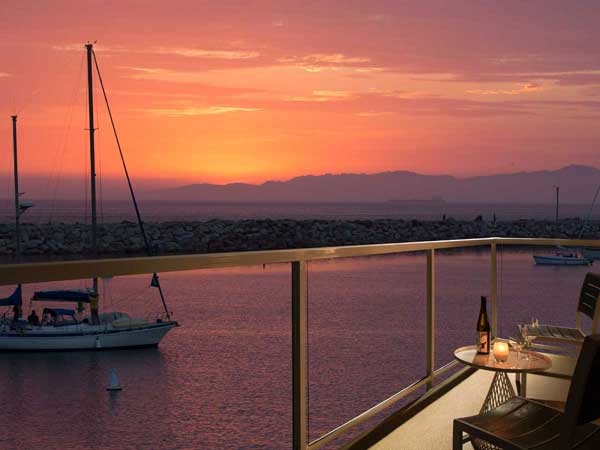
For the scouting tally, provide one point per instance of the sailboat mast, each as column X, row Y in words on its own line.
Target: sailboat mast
column 16, row 176
column 17, row 206
column 88, row 48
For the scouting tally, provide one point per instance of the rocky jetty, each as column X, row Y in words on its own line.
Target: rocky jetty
column 124, row 238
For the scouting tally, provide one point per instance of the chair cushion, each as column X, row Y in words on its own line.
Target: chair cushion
column 551, row 331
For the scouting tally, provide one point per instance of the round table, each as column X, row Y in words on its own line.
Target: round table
column 536, row 362
column 501, row 388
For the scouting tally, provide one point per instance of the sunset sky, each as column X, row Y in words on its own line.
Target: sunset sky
column 248, row 91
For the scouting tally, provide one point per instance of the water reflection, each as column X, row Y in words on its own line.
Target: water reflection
column 59, row 399
column 223, row 379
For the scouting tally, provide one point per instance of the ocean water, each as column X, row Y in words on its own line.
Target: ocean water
column 155, row 211
column 222, row 380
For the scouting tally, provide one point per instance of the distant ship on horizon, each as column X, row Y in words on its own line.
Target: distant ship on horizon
column 433, row 201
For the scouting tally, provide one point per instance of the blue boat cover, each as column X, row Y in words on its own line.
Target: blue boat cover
column 14, row 299
column 62, row 296
column 60, row 311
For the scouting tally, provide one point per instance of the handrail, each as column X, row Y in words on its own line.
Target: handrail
column 81, row 269
column 548, row 241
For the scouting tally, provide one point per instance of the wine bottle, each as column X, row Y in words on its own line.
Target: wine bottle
column 483, row 329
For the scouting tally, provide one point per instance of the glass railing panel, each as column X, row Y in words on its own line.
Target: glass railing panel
column 462, row 277
column 526, row 290
column 366, row 335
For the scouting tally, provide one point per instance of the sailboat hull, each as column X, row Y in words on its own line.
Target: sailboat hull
column 592, row 253
column 74, row 338
column 560, row 261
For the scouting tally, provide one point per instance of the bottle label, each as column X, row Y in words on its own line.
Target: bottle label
column 484, row 342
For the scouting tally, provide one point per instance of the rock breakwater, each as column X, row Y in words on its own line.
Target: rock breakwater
column 124, row 238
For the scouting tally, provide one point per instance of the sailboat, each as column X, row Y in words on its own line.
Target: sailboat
column 61, row 328
column 593, row 254
column 562, row 256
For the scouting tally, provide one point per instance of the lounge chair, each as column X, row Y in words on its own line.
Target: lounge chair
column 588, row 299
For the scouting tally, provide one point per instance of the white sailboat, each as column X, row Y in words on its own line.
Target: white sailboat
column 562, row 256
column 61, row 328
column 593, row 254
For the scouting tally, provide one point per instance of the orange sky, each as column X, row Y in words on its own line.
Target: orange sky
column 239, row 91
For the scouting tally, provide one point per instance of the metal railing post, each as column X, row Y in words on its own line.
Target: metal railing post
column 494, row 288
column 430, row 338
column 299, row 362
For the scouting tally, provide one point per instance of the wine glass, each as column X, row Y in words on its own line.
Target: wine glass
column 524, row 337
column 518, row 342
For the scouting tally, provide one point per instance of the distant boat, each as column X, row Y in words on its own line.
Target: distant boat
column 61, row 328
column 433, row 201
column 591, row 253
column 562, row 258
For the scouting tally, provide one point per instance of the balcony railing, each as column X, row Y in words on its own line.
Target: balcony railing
column 298, row 258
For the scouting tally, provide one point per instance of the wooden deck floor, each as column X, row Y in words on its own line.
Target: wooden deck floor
column 431, row 429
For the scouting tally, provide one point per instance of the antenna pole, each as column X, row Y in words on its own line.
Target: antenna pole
column 557, row 199
column 589, row 216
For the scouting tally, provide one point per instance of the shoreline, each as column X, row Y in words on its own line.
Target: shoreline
column 69, row 241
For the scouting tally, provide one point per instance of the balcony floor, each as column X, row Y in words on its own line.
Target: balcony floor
column 431, row 428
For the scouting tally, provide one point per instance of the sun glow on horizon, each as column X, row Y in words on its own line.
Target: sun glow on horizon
column 228, row 96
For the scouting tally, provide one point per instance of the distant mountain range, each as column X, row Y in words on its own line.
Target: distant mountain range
column 577, row 186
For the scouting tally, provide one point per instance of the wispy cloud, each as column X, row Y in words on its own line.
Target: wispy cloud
column 334, row 58
column 333, row 94
column 190, row 52
column 393, row 93
column 5, row 75
column 197, row 111
column 322, row 96
column 317, row 62
column 515, row 60
column 97, row 48
column 524, row 88
column 562, row 78
column 374, row 113
column 160, row 74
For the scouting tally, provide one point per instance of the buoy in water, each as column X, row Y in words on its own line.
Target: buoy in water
column 113, row 381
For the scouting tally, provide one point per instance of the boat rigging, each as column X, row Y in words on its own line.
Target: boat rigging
column 59, row 328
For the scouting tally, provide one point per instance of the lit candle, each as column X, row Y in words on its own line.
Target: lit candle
column 500, row 351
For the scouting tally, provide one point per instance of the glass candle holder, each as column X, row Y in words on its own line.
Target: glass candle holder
column 501, row 351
